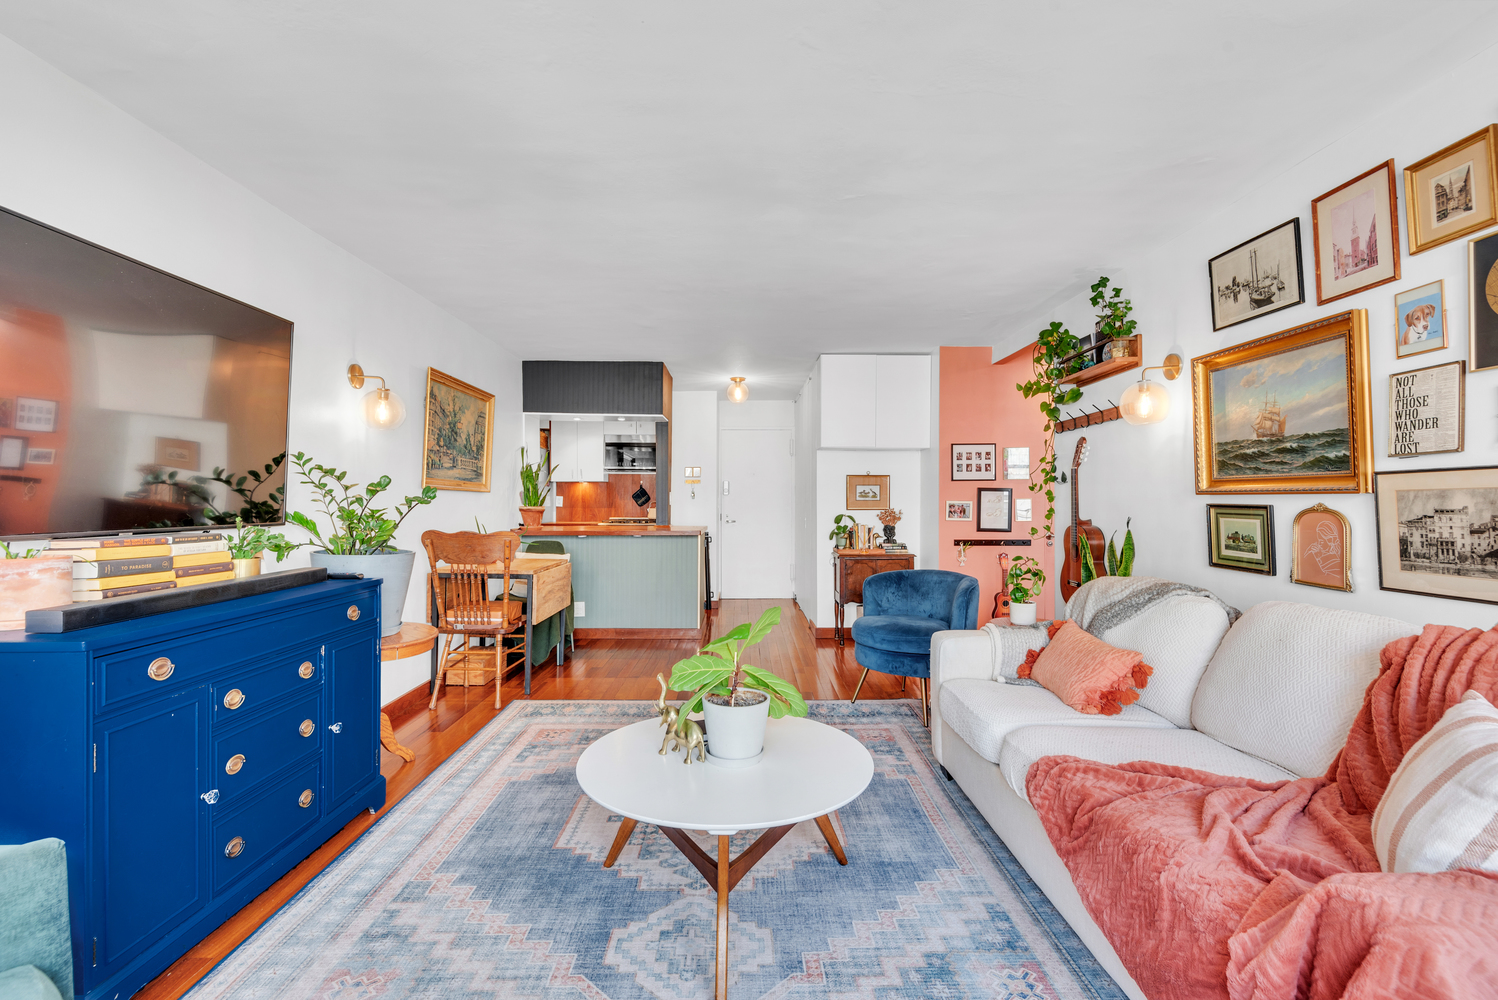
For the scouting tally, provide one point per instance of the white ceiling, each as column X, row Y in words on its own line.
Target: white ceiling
column 734, row 188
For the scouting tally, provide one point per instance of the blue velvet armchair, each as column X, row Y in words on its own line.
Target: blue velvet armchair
column 902, row 609
column 36, row 941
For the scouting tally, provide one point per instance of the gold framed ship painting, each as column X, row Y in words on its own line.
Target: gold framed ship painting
column 459, row 433
column 1286, row 413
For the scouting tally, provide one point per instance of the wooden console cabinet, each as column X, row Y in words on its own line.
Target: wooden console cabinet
column 851, row 567
column 188, row 760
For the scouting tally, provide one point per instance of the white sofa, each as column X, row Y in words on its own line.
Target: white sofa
column 1272, row 698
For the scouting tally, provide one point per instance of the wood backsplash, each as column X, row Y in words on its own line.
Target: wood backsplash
column 588, row 503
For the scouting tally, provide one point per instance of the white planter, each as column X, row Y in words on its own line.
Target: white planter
column 1022, row 614
column 393, row 569
column 736, row 734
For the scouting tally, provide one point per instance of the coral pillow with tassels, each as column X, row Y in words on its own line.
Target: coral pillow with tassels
column 1085, row 672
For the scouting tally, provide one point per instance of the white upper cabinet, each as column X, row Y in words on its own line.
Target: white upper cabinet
column 876, row 401
column 590, row 451
column 564, row 451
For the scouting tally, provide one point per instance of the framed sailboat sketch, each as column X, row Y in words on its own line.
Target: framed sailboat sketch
column 1286, row 413
column 1257, row 277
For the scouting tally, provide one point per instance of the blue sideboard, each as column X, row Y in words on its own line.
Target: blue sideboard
column 189, row 760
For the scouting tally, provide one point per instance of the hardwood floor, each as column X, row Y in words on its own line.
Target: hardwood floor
column 597, row 669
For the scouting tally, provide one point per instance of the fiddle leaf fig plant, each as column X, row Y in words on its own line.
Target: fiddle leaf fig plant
column 358, row 527
column 1025, row 580
column 841, row 529
column 719, row 670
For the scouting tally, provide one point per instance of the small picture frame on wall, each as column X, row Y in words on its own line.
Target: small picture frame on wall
column 1320, row 553
column 959, row 510
column 868, row 492
column 996, row 509
column 12, row 452
column 1241, row 537
column 1016, row 463
column 40, row 456
column 974, row 461
column 7, row 411
column 174, row 453
column 1257, row 277
column 39, row 415
column 1452, row 192
column 1356, row 233
column 1428, row 410
column 1482, row 282
column 1420, row 320
column 1435, row 532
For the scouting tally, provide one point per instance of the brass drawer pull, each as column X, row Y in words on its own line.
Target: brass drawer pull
column 306, row 669
column 234, row 848
column 353, row 612
column 235, row 764
column 160, row 669
column 234, row 699
column 306, row 728
column 305, row 799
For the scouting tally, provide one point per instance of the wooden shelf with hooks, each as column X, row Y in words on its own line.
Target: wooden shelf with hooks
column 1105, row 369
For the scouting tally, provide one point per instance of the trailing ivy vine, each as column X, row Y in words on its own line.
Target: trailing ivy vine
column 1055, row 359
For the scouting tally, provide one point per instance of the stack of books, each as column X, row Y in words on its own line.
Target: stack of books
column 104, row 568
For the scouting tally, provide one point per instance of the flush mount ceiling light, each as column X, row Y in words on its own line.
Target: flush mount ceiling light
column 737, row 390
column 382, row 407
column 1146, row 402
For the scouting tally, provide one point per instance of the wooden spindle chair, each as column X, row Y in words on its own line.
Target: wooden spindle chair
column 464, row 610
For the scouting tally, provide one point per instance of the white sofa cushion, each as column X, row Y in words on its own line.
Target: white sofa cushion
column 1177, row 638
column 1288, row 679
column 984, row 712
column 1122, row 744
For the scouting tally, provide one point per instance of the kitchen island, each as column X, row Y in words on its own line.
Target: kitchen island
column 634, row 580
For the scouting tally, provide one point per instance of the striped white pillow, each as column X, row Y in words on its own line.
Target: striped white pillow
column 1440, row 810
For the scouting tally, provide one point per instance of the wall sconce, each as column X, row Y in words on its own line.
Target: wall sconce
column 1145, row 402
column 382, row 407
column 737, row 390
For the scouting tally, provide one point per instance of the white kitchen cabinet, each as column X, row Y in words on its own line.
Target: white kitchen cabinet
column 878, row 401
column 577, row 451
column 564, row 451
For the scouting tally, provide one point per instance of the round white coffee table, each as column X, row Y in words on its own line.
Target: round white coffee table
column 809, row 771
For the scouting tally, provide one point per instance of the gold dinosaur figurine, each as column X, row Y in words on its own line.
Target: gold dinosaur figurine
column 681, row 731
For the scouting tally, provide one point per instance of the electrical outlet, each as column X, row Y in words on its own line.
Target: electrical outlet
column 559, row 499
column 579, row 609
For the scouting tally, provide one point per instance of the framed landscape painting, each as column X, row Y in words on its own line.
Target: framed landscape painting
column 1287, row 413
column 1453, row 191
column 459, row 429
column 1257, row 277
column 1356, row 230
column 1241, row 538
column 1438, row 532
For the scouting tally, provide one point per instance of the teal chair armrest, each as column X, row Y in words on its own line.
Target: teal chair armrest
column 34, row 925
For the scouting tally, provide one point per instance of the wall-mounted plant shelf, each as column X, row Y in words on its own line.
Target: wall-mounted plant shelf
column 1104, row 369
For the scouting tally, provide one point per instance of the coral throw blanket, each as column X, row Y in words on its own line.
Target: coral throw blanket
column 1224, row 887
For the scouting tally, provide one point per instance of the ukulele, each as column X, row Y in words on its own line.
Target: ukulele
column 1080, row 533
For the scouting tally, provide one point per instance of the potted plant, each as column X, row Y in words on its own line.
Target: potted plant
column 1025, row 580
column 361, row 534
column 32, row 579
column 1113, row 326
column 840, row 532
column 736, row 698
column 532, row 494
column 245, row 548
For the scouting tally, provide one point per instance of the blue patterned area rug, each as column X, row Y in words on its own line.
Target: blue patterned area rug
column 487, row 881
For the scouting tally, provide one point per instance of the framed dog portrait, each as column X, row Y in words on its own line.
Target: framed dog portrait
column 1356, row 230
column 1241, row 537
column 974, row 461
column 1420, row 320
column 1452, row 192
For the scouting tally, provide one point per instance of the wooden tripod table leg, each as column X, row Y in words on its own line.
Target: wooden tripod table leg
column 824, row 823
column 387, row 740
column 720, row 972
column 626, row 827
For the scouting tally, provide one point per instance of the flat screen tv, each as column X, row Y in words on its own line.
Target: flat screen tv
column 130, row 400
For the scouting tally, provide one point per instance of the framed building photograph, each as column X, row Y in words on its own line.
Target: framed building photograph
column 959, row 510
column 975, row 461
column 995, row 509
column 38, row 415
column 1438, row 532
column 1320, row 550
column 459, row 429
column 1453, row 191
column 175, row 453
column 1257, row 277
column 1241, row 538
column 1428, row 410
column 868, row 492
column 1287, row 413
column 1482, row 315
column 1356, row 231
column 1420, row 320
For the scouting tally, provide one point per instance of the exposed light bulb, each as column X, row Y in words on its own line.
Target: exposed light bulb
column 1144, row 402
column 384, row 409
column 738, row 391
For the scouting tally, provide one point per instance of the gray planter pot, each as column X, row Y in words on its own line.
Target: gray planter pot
column 393, row 568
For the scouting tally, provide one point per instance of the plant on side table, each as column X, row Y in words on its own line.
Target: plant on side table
column 1025, row 580
column 31, row 579
column 839, row 536
column 737, row 699
column 246, row 548
column 532, row 494
column 361, row 537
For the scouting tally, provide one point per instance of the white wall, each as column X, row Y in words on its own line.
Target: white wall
column 906, row 487
column 76, row 162
column 1147, row 472
column 927, row 543
column 694, row 441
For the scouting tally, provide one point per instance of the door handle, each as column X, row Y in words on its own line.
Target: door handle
column 725, row 487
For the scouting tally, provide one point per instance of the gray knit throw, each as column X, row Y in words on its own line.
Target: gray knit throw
column 1136, row 600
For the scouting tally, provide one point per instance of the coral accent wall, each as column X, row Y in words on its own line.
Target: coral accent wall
column 979, row 404
column 35, row 348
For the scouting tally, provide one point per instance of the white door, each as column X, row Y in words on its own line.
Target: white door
column 756, row 547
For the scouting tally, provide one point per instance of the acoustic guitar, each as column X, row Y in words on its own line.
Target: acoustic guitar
column 1081, row 532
